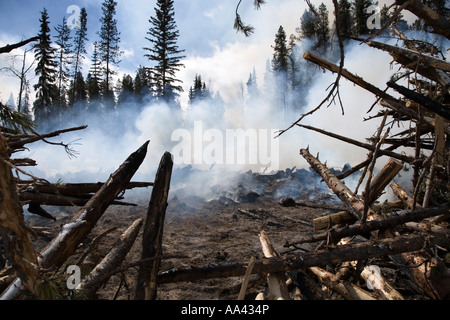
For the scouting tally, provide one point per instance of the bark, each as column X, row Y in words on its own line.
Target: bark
column 382, row 179
column 350, row 252
column 102, row 272
column 355, row 204
column 432, row 18
column 402, row 195
column 346, row 289
column 153, row 231
column 379, row 284
column 341, row 217
column 420, row 63
column 425, row 102
column 335, row 235
column 276, row 280
column 13, row 230
column 72, row 233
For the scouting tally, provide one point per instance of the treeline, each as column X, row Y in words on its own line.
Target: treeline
column 67, row 90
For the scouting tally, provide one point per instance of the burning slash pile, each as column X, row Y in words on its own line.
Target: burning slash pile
column 410, row 233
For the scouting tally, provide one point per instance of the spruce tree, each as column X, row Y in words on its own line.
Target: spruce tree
column 361, row 16
column 280, row 65
column 79, row 50
column 64, row 60
column 323, row 29
column 46, row 90
column 308, row 24
column 142, row 84
column 109, row 49
column 345, row 18
column 165, row 53
column 94, row 79
column 126, row 90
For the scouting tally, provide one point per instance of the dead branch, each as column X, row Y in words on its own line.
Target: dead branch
column 100, row 274
column 72, row 233
column 153, row 230
column 440, row 24
column 334, row 235
column 350, row 252
column 10, row 47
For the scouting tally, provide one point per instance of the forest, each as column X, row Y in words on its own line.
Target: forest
column 408, row 237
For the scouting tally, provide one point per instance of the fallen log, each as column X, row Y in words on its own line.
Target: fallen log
column 350, row 252
column 346, row 289
column 327, row 221
column 425, row 102
column 276, row 281
column 374, row 278
column 382, row 179
column 355, row 204
column 102, row 272
column 334, row 235
column 72, row 233
column 146, row 287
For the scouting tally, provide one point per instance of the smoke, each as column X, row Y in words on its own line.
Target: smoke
column 213, row 143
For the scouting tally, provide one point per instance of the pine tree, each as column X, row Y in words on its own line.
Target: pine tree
column 79, row 50
column 163, row 35
column 126, row 89
column 64, row 60
column 345, row 18
column 308, row 23
column 46, row 90
column 280, row 65
column 94, row 80
column 77, row 91
column 361, row 16
column 199, row 91
column 252, row 87
column 142, row 84
column 323, row 29
column 109, row 49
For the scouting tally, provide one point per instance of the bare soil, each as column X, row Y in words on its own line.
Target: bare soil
column 199, row 231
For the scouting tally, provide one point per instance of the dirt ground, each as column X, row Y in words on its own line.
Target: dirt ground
column 200, row 231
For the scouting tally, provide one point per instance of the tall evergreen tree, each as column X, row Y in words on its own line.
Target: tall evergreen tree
column 308, row 23
column 64, row 53
column 109, row 49
column 46, row 90
column 142, row 84
column 126, row 89
column 323, row 28
column 94, row 80
column 280, row 65
column 79, row 50
column 163, row 35
column 345, row 17
column 361, row 16
column 252, row 87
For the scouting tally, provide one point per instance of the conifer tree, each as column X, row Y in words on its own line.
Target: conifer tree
column 79, row 50
column 109, row 49
column 46, row 90
column 94, row 79
column 345, row 17
column 142, row 84
column 308, row 23
column 280, row 65
column 165, row 53
column 360, row 17
column 126, row 90
column 64, row 60
column 323, row 29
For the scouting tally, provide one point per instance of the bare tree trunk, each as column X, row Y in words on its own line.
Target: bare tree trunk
column 13, row 231
column 153, row 230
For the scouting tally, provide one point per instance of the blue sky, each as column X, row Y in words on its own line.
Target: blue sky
column 212, row 47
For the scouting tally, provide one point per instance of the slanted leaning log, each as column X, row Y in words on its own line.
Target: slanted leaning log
column 153, row 230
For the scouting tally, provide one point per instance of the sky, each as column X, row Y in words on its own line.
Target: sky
column 212, row 47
